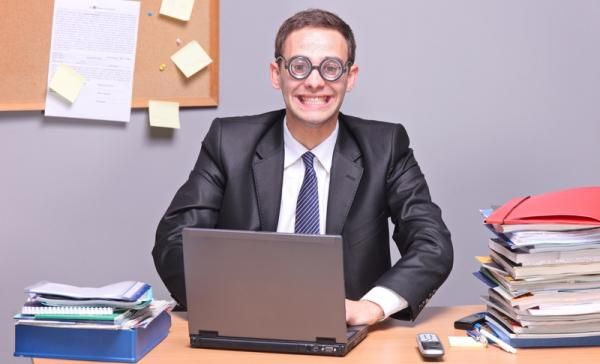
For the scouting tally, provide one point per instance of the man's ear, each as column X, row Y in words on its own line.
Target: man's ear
column 352, row 76
column 275, row 75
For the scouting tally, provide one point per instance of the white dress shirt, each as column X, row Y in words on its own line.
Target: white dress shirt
column 293, row 175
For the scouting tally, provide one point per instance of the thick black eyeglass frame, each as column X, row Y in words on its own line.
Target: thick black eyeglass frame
column 286, row 65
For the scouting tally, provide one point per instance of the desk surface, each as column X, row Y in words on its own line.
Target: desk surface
column 391, row 341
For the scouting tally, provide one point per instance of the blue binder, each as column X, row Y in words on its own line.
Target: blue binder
column 127, row 345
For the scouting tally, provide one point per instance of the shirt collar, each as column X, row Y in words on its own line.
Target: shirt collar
column 294, row 149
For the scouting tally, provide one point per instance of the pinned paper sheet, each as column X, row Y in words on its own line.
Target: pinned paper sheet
column 164, row 114
column 191, row 58
column 67, row 82
column 178, row 9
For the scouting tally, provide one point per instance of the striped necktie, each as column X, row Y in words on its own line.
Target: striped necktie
column 307, row 207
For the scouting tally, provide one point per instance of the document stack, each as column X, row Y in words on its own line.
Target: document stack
column 543, row 269
column 117, row 322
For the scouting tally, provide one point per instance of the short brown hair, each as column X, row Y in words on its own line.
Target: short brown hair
column 315, row 18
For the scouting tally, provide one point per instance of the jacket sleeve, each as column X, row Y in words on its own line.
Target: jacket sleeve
column 419, row 231
column 196, row 204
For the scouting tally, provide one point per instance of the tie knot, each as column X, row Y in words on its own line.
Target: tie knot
column 308, row 158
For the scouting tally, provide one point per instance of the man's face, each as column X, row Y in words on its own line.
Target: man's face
column 313, row 102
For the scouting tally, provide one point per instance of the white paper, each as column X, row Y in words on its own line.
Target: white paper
column 464, row 341
column 97, row 38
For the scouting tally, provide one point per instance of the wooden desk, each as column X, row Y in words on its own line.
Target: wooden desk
column 388, row 342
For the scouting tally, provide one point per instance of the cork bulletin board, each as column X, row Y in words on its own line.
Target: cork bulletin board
column 26, row 29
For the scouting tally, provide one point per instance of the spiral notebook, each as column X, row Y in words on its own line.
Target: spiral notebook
column 74, row 313
column 36, row 309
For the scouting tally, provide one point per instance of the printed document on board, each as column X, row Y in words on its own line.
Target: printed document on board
column 97, row 39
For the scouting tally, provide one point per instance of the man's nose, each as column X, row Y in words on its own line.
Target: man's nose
column 314, row 79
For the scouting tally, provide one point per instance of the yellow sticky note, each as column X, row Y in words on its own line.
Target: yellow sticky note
column 191, row 58
column 164, row 114
column 483, row 259
column 178, row 9
column 67, row 82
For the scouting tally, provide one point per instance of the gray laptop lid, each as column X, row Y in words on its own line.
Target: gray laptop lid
column 265, row 285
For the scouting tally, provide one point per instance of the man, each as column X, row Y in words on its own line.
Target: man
column 311, row 169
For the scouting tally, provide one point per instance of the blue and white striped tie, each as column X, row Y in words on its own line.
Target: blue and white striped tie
column 307, row 207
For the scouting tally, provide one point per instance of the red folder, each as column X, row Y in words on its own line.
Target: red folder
column 576, row 206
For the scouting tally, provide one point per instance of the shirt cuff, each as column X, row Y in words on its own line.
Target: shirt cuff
column 389, row 301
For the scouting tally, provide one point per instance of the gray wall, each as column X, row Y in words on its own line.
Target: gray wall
column 500, row 99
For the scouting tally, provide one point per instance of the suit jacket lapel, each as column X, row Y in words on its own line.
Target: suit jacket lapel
column 267, row 168
column 346, row 172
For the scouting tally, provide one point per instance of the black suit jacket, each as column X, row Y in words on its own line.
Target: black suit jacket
column 236, row 184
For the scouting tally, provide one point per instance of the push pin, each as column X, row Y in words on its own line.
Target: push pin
column 162, row 67
column 178, row 41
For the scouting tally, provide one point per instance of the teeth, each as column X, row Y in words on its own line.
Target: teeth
column 314, row 100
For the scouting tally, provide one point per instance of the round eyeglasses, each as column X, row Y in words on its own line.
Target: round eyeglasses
column 300, row 67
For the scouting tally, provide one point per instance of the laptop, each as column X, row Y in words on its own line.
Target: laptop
column 265, row 291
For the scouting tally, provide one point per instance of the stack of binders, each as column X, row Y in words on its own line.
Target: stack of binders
column 544, row 269
column 118, row 322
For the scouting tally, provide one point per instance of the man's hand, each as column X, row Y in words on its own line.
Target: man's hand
column 362, row 312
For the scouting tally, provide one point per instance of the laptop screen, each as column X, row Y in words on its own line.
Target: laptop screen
column 265, row 285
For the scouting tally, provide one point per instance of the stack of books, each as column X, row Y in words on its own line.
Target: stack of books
column 117, row 322
column 543, row 269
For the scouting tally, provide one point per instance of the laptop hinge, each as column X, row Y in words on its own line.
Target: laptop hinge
column 207, row 333
column 325, row 340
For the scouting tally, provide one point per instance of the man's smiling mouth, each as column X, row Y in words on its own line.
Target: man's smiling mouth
column 314, row 100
